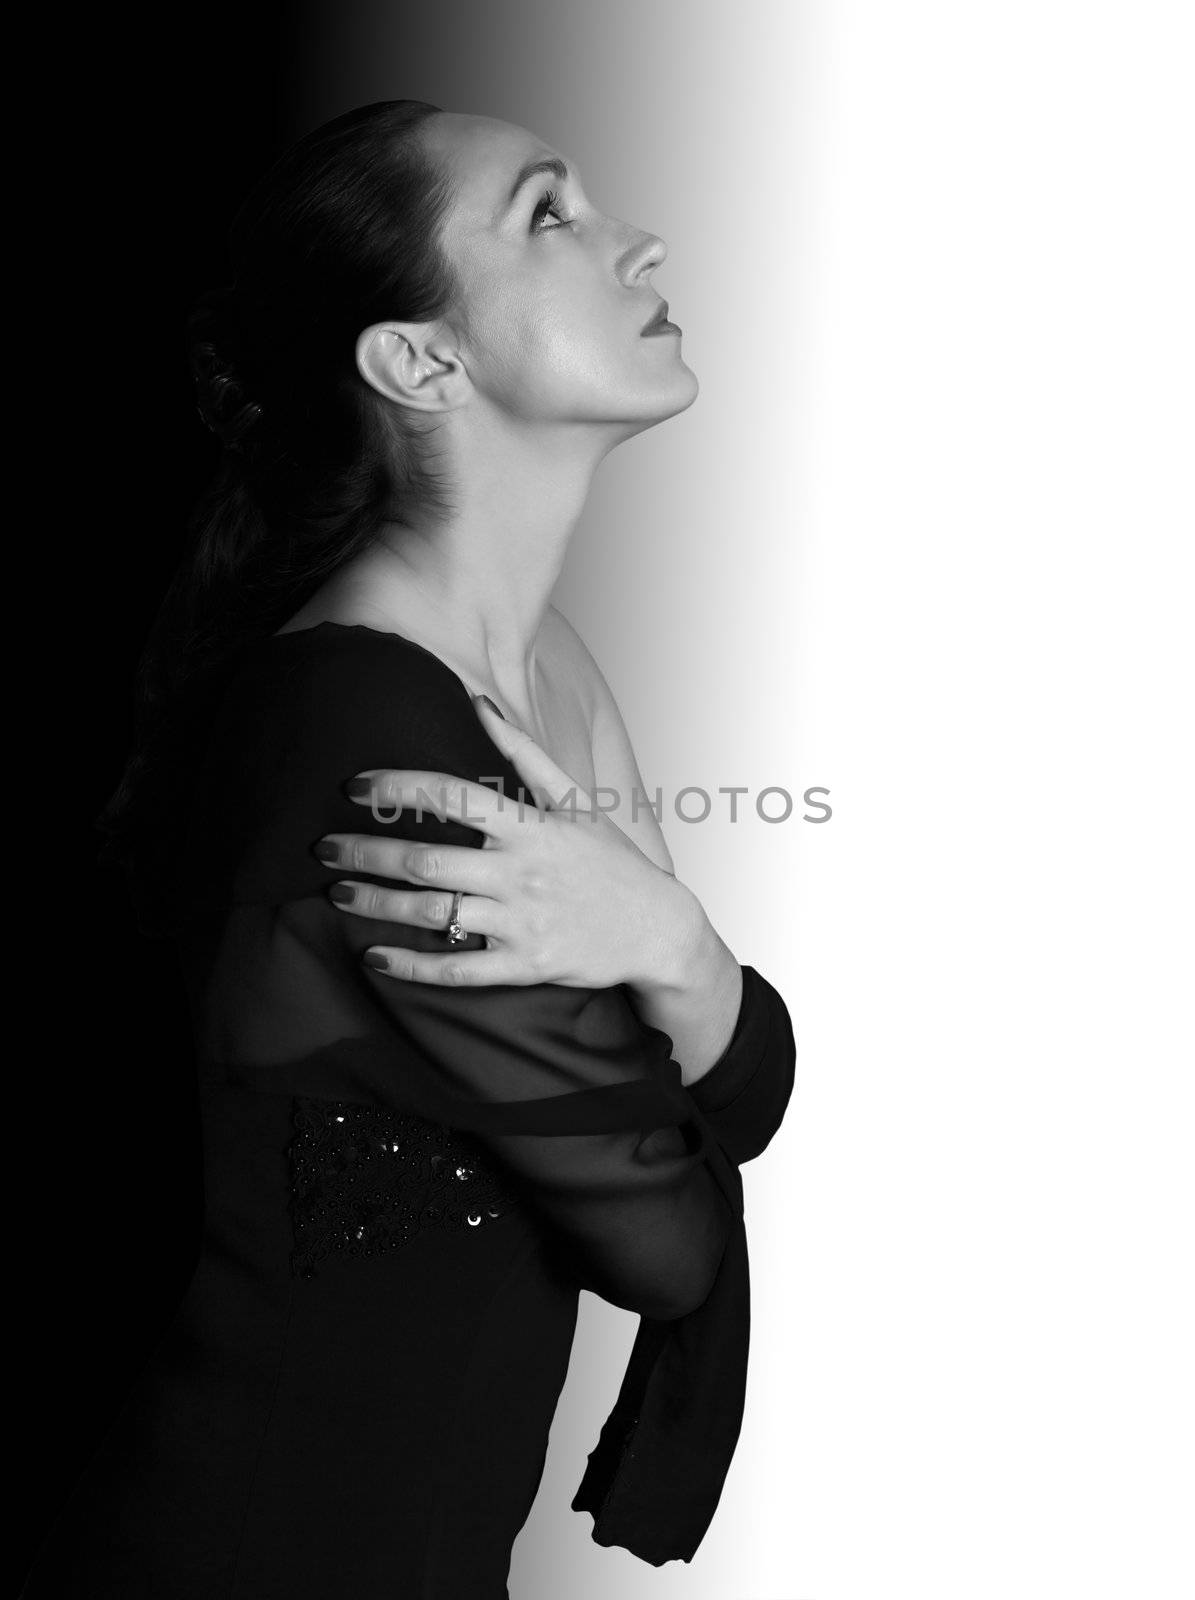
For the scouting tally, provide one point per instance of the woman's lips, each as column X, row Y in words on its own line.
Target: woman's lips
column 658, row 322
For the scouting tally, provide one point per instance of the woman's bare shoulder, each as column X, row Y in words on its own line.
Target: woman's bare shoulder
column 570, row 655
column 577, row 662
column 614, row 760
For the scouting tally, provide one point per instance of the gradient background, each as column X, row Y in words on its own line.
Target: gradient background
column 925, row 540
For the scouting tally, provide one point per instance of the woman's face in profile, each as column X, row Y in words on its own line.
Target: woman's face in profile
column 556, row 293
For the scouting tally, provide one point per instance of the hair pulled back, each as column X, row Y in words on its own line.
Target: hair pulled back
column 342, row 232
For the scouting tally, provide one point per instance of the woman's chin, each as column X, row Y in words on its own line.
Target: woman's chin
column 680, row 393
column 667, row 398
column 688, row 387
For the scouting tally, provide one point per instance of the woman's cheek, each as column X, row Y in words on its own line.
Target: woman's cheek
column 545, row 372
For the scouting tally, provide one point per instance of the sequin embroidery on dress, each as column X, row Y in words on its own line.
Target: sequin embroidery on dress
column 366, row 1179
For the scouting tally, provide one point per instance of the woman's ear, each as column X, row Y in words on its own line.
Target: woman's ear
column 401, row 363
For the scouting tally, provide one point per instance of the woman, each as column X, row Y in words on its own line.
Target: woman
column 432, row 1113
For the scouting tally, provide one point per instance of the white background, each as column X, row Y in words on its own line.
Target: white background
column 924, row 539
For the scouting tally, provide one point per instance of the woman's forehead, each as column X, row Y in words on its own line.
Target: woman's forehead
column 484, row 157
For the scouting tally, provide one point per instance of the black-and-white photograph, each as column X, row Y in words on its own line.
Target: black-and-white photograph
column 610, row 1008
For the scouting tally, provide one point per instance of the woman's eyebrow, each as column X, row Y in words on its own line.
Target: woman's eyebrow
column 551, row 164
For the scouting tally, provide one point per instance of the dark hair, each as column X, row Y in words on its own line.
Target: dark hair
column 342, row 232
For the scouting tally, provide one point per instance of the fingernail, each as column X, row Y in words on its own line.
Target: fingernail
column 359, row 788
column 491, row 705
column 342, row 893
column 327, row 851
column 376, row 960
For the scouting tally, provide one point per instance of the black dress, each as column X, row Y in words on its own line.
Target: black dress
column 406, row 1185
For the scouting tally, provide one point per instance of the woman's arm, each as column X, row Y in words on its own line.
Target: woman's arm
column 561, row 894
column 595, row 903
column 692, row 990
column 744, row 1085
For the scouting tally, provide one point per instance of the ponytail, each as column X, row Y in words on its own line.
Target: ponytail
column 342, row 232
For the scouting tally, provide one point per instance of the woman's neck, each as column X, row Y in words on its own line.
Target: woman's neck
column 475, row 587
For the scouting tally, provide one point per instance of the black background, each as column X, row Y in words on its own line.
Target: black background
column 136, row 146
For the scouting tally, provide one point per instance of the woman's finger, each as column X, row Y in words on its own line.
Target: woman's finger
column 444, row 866
column 541, row 776
column 474, row 967
column 418, row 908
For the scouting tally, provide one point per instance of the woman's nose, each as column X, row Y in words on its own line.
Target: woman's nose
column 645, row 255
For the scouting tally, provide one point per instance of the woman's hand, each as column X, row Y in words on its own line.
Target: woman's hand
column 558, row 890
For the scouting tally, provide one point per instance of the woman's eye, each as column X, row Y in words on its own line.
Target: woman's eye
column 549, row 205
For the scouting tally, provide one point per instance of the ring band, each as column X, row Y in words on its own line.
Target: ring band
column 456, row 934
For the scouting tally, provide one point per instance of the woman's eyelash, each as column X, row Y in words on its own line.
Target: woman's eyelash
column 549, row 202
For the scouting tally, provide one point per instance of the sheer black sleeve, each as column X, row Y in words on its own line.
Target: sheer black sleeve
column 745, row 1094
